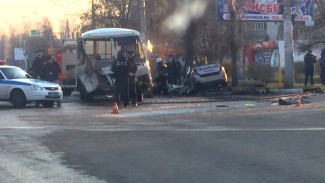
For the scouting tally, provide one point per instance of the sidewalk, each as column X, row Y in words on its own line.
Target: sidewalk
column 298, row 88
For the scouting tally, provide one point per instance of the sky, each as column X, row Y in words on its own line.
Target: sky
column 15, row 12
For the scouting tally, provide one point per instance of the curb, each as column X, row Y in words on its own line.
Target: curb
column 297, row 90
column 287, row 91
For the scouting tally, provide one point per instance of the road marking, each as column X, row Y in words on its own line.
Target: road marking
column 166, row 128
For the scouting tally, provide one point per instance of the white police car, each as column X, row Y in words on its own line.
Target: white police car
column 18, row 87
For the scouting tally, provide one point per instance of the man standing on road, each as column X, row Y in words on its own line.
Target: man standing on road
column 161, row 80
column 133, row 69
column 121, row 70
column 38, row 66
column 51, row 72
column 309, row 60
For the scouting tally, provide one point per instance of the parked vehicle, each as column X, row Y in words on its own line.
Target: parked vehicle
column 97, row 51
column 18, row 87
column 213, row 75
column 67, row 58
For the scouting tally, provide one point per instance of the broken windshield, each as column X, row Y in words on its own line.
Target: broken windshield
column 106, row 49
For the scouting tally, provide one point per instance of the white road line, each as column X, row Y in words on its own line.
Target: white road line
column 169, row 128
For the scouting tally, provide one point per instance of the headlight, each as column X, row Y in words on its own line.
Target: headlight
column 147, row 64
column 36, row 87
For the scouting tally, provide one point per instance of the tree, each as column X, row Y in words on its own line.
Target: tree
column 108, row 13
column 315, row 35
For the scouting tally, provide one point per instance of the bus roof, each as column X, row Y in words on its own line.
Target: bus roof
column 109, row 32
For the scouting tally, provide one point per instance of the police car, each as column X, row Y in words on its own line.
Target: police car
column 19, row 88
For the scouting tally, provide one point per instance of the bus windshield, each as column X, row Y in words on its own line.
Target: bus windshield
column 105, row 49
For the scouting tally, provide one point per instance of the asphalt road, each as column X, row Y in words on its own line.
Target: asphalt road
column 185, row 140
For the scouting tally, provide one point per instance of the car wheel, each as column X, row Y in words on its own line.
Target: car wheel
column 48, row 104
column 18, row 98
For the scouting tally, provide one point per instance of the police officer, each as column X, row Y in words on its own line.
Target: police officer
column 310, row 61
column 38, row 65
column 121, row 70
column 133, row 69
column 162, row 78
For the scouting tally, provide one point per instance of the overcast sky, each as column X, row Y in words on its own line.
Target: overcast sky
column 15, row 11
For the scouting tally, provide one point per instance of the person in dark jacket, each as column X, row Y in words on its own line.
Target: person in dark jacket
column 38, row 65
column 51, row 70
column 178, row 67
column 322, row 66
column 162, row 78
column 174, row 69
column 309, row 60
column 133, row 69
column 121, row 70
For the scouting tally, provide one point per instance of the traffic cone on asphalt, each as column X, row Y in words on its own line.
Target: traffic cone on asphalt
column 115, row 109
column 298, row 103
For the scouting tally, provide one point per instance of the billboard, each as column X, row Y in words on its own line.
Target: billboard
column 19, row 53
column 267, row 10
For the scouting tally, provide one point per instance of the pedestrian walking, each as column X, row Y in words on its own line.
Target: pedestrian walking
column 37, row 68
column 132, row 77
column 322, row 66
column 309, row 60
column 121, row 70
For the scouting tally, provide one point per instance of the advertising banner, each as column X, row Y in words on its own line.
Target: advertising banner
column 267, row 10
column 19, row 53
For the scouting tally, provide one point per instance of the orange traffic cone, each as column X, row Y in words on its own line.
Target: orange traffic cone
column 298, row 103
column 115, row 109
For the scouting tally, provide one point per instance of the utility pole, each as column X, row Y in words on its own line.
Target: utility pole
column 142, row 6
column 2, row 48
column 288, row 45
column 93, row 25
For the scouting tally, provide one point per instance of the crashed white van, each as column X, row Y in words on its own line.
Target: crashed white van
column 97, row 51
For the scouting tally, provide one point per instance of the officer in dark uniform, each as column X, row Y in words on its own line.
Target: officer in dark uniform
column 310, row 61
column 121, row 70
column 38, row 65
column 162, row 78
column 133, row 69
column 37, row 68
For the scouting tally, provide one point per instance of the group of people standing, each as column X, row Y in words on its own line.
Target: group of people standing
column 45, row 67
column 169, row 73
column 310, row 61
column 174, row 72
column 125, row 69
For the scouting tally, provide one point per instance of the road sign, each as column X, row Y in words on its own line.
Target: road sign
column 34, row 33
